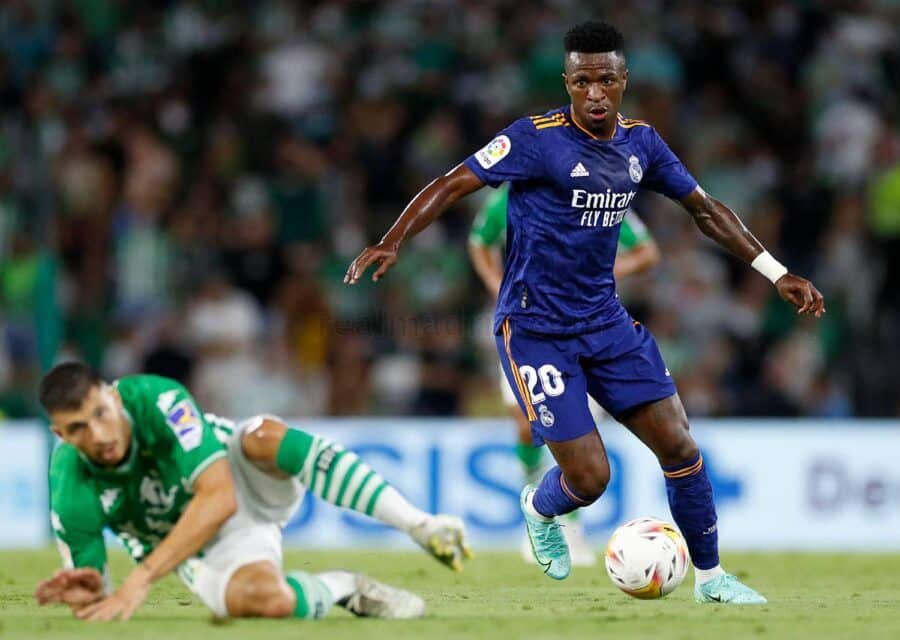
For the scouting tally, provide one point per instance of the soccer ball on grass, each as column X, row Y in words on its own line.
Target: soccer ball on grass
column 647, row 558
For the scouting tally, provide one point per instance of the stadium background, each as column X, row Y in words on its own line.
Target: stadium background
column 183, row 183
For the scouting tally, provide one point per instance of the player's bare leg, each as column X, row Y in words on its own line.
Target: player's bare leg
column 584, row 466
column 533, row 468
column 260, row 590
column 338, row 476
column 580, row 548
column 532, row 460
column 580, row 477
column 663, row 426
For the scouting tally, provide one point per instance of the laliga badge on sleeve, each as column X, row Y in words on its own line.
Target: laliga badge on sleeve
column 493, row 152
column 186, row 423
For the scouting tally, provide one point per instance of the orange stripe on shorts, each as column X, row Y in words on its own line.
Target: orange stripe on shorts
column 523, row 390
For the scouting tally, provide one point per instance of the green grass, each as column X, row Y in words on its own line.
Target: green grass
column 811, row 596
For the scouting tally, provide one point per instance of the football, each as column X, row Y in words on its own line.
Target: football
column 647, row 558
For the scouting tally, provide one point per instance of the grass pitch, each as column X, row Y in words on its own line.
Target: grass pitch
column 498, row 596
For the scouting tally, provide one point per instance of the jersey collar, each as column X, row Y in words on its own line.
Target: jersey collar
column 568, row 112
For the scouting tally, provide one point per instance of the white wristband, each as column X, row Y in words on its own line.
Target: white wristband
column 769, row 266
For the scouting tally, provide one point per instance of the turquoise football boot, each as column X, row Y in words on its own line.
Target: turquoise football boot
column 727, row 589
column 547, row 542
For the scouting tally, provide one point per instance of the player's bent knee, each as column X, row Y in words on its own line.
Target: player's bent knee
column 687, row 450
column 678, row 449
column 280, row 606
column 261, row 440
column 258, row 590
column 589, row 489
column 589, row 482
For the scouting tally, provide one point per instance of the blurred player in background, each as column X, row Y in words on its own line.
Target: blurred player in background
column 207, row 497
column 637, row 252
column 559, row 327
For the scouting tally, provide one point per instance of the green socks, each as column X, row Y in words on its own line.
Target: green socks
column 339, row 477
column 314, row 599
column 531, row 458
column 293, row 451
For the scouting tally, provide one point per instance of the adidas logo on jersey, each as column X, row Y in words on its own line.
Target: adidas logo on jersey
column 579, row 171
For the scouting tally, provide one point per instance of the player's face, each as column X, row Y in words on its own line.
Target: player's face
column 98, row 428
column 596, row 82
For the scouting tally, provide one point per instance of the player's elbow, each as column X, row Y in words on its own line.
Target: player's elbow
column 476, row 251
column 480, row 258
column 707, row 225
column 449, row 189
column 457, row 184
column 654, row 256
column 712, row 218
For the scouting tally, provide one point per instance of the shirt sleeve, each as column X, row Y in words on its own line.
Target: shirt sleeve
column 633, row 233
column 512, row 155
column 75, row 513
column 178, row 422
column 665, row 173
column 490, row 222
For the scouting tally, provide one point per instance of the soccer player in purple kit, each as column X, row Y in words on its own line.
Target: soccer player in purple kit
column 560, row 329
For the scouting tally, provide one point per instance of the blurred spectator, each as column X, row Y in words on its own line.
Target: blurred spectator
column 197, row 175
column 252, row 254
column 223, row 325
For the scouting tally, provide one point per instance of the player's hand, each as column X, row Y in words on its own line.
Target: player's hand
column 74, row 587
column 801, row 293
column 384, row 254
column 123, row 603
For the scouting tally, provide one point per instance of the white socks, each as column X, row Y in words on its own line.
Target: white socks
column 342, row 584
column 396, row 511
column 529, row 507
column 702, row 576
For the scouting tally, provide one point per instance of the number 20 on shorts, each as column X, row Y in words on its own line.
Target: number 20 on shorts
column 550, row 378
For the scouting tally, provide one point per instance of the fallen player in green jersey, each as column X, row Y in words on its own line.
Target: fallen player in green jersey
column 206, row 497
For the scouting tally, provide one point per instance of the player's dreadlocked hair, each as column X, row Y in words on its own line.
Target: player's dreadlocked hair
column 594, row 37
column 66, row 385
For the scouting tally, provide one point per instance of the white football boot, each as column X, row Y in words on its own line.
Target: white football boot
column 373, row 599
column 444, row 537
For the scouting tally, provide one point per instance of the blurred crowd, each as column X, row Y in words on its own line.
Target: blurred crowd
column 183, row 183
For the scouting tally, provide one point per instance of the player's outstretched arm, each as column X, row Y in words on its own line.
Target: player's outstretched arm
column 428, row 204
column 721, row 224
column 213, row 503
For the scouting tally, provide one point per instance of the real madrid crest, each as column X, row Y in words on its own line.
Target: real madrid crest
column 546, row 416
column 634, row 169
